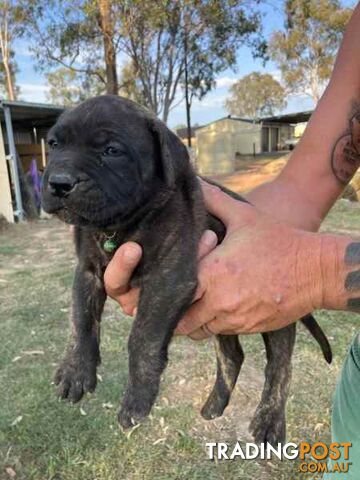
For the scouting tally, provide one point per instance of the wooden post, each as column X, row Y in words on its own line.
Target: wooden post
column 13, row 163
column 43, row 153
column 6, row 208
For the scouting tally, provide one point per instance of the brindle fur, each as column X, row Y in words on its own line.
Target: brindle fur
column 150, row 195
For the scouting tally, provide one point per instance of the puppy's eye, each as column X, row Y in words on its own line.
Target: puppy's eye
column 111, row 151
column 52, row 144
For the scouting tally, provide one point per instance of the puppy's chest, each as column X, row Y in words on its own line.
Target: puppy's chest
column 107, row 245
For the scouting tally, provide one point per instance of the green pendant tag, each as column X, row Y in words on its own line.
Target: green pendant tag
column 109, row 246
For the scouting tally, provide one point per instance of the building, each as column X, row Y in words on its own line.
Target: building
column 182, row 133
column 222, row 143
column 23, row 131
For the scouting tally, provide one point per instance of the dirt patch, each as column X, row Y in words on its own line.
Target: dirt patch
column 4, row 224
column 193, row 385
column 252, row 174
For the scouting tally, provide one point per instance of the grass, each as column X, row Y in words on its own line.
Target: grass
column 42, row 438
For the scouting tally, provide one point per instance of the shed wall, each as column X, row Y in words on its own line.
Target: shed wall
column 220, row 143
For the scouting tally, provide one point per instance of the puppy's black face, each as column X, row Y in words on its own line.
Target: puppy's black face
column 104, row 162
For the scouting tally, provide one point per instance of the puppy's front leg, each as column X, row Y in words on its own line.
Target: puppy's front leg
column 76, row 374
column 163, row 301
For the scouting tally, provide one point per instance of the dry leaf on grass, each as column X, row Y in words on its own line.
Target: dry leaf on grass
column 11, row 472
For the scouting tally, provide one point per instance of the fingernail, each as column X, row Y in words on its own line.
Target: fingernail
column 131, row 254
column 209, row 238
column 134, row 312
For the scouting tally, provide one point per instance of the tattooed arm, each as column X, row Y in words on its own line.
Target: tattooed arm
column 328, row 154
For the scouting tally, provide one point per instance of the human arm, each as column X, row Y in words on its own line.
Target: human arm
column 266, row 274
column 308, row 186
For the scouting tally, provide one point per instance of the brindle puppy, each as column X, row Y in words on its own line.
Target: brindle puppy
column 115, row 170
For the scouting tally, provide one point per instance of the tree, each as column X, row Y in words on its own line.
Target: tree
column 256, row 95
column 130, row 85
column 173, row 39
column 80, row 36
column 305, row 50
column 86, row 37
column 11, row 27
column 67, row 87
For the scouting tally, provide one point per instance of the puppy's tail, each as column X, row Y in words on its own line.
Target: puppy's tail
column 316, row 331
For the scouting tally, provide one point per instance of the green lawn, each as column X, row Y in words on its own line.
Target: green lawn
column 43, row 438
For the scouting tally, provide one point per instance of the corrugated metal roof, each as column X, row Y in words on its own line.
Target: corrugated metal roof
column 34, row 113
column 287, row 118
column 297, row 117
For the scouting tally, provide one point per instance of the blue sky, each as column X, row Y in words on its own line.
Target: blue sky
column 33, row 84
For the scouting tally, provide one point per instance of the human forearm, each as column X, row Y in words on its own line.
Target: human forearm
column 328, row 154
column 330, row 267
column 283, row 200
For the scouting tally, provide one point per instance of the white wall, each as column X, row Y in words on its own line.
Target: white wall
column 5, row 193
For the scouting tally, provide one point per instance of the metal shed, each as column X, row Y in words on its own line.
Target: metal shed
column 23, row 130
column 221, row 143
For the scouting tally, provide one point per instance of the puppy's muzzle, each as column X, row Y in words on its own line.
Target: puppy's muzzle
column 61, row 184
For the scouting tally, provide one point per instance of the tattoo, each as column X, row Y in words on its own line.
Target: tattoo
column 352, row 280
column 352, row 254
column 354, row 304
column 345, row 157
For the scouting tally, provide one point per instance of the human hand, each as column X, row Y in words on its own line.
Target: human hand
column 118, row 272
column 260, row 278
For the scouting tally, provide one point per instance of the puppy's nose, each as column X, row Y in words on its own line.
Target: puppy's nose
column 61, row 184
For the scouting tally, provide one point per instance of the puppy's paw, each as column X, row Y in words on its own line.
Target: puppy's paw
column 268, row 425
column 214, row 406
column 74, row 378
column 133, row 410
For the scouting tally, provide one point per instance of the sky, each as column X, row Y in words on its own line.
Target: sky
column 33, row 84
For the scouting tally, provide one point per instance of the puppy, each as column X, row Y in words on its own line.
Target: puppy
column 118, row 174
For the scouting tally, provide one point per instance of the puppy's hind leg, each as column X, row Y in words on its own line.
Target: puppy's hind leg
column 268, row 424
column 229, row 358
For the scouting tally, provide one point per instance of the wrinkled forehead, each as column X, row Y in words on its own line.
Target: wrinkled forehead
column 98, row 122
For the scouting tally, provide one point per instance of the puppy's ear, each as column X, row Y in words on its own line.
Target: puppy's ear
column 173, row 154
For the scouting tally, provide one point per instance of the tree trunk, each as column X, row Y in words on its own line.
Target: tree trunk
column 187, row 100
column 9, row 80
column 107, row 27
column 5, row 53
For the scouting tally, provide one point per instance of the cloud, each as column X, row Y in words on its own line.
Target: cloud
column 33, row 92
column 225, row 82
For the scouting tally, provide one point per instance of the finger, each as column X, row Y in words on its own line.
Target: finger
column 120, row 269
column 202, row 333
column 215, row 327
column 224, row 207
column 208, row 242
column 129, row 301
column 198, row 335
column 195, row 317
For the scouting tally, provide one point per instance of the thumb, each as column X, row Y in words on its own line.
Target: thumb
column 224, row 207
column 118, row 272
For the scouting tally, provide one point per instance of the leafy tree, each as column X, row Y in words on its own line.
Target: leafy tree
column 11, row 27
column 305, row 50
column 130, row 85
column 86, row 36
column 184, row 44
column 256, row 95
column 79, row 35
column 67, row 87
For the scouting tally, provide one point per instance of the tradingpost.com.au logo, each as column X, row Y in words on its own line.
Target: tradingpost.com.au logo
column 315, row 457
